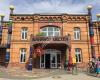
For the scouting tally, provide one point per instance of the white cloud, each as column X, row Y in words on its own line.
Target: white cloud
column 48, row 6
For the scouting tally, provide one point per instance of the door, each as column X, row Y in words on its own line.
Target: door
column 50, row 59
column 47, row 61
column 42, row 61
column 53, row 60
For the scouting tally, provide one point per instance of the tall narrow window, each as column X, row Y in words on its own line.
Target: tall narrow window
column 77, row 33
column 78, row 55
column 24, row 33
column 22, row 55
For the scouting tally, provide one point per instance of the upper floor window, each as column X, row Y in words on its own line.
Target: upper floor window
column 22, row 55
column 78, row 55
column 24, row 33
column 51, row 31
column 76, row 33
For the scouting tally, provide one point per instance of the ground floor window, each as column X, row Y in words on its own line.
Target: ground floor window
column 78, row 55
column 22, row 55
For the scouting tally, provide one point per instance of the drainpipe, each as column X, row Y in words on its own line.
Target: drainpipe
column 7, row 57
column 91, row 32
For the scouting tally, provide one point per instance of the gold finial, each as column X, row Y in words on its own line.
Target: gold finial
column 11, row 7
column 2, row 15
column 89, row 7
column 98, row 15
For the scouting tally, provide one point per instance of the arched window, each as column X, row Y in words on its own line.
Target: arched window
column 51, row 31
column 22, row 55
column 76, row 33
column 78, row 54
column 24, row 31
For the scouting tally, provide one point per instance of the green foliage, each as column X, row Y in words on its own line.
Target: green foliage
column 40, row 34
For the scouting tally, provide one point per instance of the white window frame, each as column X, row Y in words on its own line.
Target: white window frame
column 47, row 31
column 76, row 33
column 77, row 53
column 23, row 52
column 25, row 32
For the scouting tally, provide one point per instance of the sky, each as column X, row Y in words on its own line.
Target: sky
column 49, row 6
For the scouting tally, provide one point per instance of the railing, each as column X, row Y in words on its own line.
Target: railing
column 43, row 39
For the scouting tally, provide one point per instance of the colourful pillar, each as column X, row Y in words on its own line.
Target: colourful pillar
column 30, row 66
column 98, row 19
column 1, row 25
column 69, row 50
column 66, row 57
column 7, row 57
column 70, row 57
column 91, row 33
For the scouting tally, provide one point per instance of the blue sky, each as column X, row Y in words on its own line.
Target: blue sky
column 49, row 6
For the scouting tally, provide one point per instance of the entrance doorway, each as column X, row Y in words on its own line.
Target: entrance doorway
column 50, row 59
column 47, row 61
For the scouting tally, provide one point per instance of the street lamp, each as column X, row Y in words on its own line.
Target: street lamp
column 2, row 17
column 98, row 17
column 91, row 32
column 11, row 7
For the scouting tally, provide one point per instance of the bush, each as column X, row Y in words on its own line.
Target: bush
column 40, row 34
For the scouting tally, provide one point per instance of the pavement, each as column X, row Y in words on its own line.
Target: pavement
column 44, row 74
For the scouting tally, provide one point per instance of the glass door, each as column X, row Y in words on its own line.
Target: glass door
column 42, row 61
column 53, row 60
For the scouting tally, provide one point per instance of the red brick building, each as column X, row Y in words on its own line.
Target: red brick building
column 49, row 31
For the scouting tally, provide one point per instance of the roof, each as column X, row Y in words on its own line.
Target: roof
column 51, row 14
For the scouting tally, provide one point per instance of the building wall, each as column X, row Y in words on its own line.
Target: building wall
column 34, row 28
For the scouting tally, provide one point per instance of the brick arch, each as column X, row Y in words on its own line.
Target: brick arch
column 59, row 25
column 50, row 26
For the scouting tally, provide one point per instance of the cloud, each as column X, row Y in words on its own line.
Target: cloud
column 49, row 6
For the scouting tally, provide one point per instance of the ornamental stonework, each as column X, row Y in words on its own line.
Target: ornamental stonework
column 50, row 18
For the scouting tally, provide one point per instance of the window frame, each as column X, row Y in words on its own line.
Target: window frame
column 24, row 54
column 76, row 33
column 53, row 32
column 77, row 53
column 25, row 32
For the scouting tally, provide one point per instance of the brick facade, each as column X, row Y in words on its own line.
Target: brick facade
column 66, row 23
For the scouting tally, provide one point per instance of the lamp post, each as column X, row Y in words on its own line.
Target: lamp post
column 91, row 32
column 7, row 56
column 11, row 9
column 98, row 19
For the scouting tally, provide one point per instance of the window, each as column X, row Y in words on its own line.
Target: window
column 24, row 34
column 78, row 55
column 22, row 55
column 51, row 31
column 76, row 33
